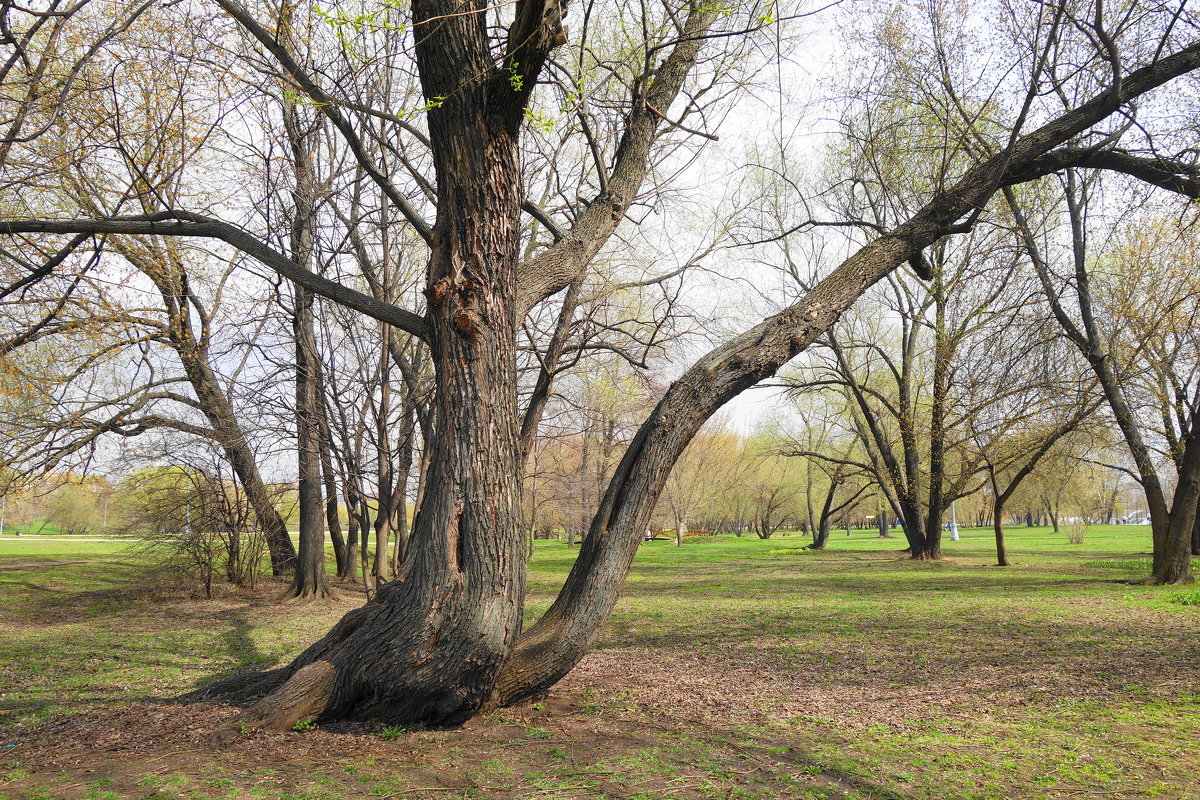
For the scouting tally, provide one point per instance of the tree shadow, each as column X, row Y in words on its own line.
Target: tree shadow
column 240, row 645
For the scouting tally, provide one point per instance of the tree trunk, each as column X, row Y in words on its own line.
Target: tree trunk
column 825, row 521
column 400, row 492
column 193, row 352
column 352, row 541
column 381, row 566
column 998, row 527
column 1173, row 544
column 932, row 546
column 309, row 581
column 1196, row 534
column 343, row 551
column 233, row 559
column 429, row 649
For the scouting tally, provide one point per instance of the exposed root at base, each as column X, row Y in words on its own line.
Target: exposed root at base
column 304, row 696
column 1154, row 580
column 238, row 689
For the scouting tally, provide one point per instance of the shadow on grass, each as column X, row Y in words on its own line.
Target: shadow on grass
column 241, row 646
column 1000, row 646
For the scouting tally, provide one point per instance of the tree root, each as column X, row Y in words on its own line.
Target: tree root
column 1156, row 580
column 305, row 695
column 240, row 689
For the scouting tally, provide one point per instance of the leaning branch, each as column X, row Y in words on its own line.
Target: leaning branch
column 176, row 223
column 552, row 646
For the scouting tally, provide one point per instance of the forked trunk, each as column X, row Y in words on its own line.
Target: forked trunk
column 429, row 648
column 821, row 532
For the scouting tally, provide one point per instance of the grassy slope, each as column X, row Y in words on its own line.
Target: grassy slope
column 731, row 668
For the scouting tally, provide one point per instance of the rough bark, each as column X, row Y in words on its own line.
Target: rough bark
column 429, row 648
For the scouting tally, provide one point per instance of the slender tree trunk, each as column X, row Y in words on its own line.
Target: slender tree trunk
column 234, row 444
column 342, row 550
column 364, row 515
column 233, row 559
column 352, row 539
column 1196, row 534
column 585, row 509
column 400, row 493
column 998, row 527
column 825, row 521
column 381, row 567
column 309, row 581
column 932, row 548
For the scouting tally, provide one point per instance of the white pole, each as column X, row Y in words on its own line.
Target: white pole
column 3, row 508
column 953, row 523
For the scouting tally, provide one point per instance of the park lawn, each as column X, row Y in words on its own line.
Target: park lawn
column 732, row 668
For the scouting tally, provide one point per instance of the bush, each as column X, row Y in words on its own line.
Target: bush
column 194, row 521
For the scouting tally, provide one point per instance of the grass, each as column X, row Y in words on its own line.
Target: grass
column 731, row 668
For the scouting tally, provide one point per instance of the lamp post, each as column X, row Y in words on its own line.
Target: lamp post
column 953, row 523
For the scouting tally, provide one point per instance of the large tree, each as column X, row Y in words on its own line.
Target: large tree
column 445, row 639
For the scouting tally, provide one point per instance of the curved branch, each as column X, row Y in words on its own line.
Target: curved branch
column 178, row 223
column 1170, row 174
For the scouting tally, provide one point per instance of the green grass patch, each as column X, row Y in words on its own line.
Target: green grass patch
column 731, row 668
